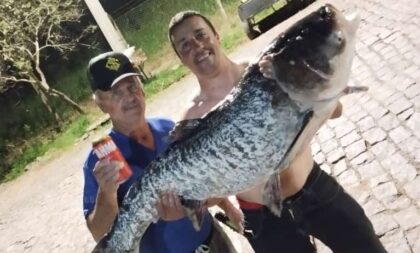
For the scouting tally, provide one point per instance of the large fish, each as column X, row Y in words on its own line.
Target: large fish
column 253, row 134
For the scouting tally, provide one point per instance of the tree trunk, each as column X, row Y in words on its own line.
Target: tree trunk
column 53, row 92
column 45, row 101
column 56, row 93
column 219, row 3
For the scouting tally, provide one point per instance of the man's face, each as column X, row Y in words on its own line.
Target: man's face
column 124, row 102
column 198, row 47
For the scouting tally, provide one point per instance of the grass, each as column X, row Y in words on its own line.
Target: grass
column 232, row 35
column 29, row 155
column 73, row 131
column 163, row 80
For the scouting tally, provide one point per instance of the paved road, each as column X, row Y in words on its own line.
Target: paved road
column 373, row 149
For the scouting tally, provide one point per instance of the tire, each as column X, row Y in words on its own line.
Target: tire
column 250, row 32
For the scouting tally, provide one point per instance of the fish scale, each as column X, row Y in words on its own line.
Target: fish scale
column 248, row 139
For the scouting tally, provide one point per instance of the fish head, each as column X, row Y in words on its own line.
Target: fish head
column 312, row 59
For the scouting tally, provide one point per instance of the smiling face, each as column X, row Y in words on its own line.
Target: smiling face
column 197, row 45
column 125, row 102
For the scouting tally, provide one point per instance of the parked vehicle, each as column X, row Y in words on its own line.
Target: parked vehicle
column 259, row 16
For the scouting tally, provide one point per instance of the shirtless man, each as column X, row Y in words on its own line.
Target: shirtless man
column 315, row 204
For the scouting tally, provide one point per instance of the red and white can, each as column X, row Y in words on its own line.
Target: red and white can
column 105, row 148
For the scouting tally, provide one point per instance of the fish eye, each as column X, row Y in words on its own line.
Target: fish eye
column 325, row 12
column 339, row 37
column 305, row 31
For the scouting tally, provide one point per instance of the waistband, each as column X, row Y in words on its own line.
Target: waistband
column 312, row 177
column 248, row 205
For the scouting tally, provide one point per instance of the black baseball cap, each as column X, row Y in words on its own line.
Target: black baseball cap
column 107, row 69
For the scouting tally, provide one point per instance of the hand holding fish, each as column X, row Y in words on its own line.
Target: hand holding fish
column 266, row 66
column 235, row 214
column 169, row 207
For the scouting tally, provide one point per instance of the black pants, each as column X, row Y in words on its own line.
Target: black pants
column 321, row 209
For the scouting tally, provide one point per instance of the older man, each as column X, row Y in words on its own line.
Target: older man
column 118, row 92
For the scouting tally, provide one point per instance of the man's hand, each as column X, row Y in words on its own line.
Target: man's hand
column 106, row 206
column 266, row 66
column 169, row 207
column 237, row 218
column 235, row 214
column 106, row 174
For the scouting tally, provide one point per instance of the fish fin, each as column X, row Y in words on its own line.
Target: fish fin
column 354, row 89
column 272, row 194
column 183, row 129
column 195, row 211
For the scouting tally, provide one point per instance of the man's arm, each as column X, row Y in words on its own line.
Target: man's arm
column 103, row 215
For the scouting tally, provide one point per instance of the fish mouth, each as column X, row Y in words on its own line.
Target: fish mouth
column 317, row 72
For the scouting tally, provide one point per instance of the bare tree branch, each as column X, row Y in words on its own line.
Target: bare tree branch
column 16, row 80
column 57, row 46
column 31, row 30
column 49, row 34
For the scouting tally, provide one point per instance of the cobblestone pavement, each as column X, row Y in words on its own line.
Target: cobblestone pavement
column 373, row 149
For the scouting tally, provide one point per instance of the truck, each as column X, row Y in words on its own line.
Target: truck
column 259, row 16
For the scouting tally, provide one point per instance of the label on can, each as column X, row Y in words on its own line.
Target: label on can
column 105, row 148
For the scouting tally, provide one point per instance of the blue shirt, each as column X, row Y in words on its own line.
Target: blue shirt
column 162, row 237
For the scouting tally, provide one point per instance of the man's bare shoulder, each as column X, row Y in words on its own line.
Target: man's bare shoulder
column 190, row 113
column 193, row 109
column 243, row 63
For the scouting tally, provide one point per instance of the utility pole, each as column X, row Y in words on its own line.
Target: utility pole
column 108, row 27
column 219, row 3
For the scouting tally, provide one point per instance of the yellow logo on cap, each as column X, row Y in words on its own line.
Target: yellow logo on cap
column 112, row 64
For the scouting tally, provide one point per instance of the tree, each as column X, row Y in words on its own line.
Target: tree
column 30, row 31
column 222, row 10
